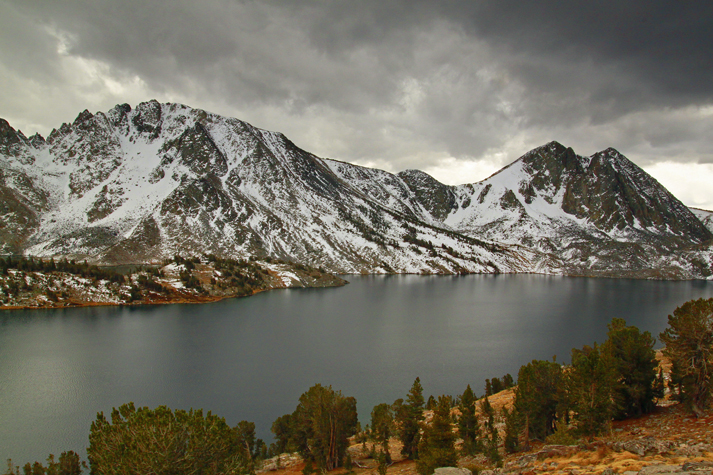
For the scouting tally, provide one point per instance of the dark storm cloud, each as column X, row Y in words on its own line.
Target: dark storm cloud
column 658, row 52
column 397, row 83
column 304, row 51
column 253, row 51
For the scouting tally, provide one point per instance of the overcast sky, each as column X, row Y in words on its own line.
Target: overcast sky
column 455, row 88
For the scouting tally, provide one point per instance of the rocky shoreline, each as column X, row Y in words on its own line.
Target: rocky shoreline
column 203, row 281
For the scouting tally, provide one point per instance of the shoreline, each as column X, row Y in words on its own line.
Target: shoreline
column 197, row 300
column 185, row 282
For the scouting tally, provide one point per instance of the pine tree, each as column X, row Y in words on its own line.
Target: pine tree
column 437, row 446
column 635, row 362
column 591, row 384
column 282, row 430
column 321, row 425
column 409, row 414
column 496, row 385
column 689, row 344
column 468, row 426
column 511, row 442
column 537, row 398
column 382, row 422
column 492, row 437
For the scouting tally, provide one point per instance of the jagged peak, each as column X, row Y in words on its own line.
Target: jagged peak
column 552, row 147
column 8, row 135
column 149, row 103
column 149, row 112
column 613, row 158
column 118, row 114
column 125, row 107
column 83, row 116
column 5, row 127
column 121, row 109
column 555, row 146
column 37, row 140
column 552, row 156
column 64, row 129
column 609, row 152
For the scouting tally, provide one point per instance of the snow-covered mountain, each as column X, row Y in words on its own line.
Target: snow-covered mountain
column 138, row 185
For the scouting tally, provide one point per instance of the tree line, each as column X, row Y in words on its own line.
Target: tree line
column 83, row 269
column 552, row 402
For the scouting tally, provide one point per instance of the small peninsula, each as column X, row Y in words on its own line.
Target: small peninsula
column 35, row 283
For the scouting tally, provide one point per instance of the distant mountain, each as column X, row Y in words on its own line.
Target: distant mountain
column 138, row 185
column 705, row 216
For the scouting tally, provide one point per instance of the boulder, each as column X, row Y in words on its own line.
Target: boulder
column 452, row 471
column 645, row 446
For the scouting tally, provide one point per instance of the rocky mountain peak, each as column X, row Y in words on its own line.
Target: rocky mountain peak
column 5, row 128
column 117, row 115
column 37, row 141
column 147, row 118
column 616, row 194
column 12, row 142
column 145, row 183
column 438, row 199
column 555, row 158
column 83, row 116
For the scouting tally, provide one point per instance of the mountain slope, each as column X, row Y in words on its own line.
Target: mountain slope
column 139, row 185
column 143, row 184
column 705, row 216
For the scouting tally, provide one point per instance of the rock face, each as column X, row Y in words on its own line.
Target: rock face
column 706, row 217
column 142, row 184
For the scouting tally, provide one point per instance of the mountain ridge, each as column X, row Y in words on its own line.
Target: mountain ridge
column 145, row 183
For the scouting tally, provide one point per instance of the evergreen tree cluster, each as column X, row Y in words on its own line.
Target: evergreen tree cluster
column 409, row 415
column 83, row 269
column 159, row 441
column 68, row 463
column 495, row 385
column 239, row 274
column 318, row 429
column 615, row 380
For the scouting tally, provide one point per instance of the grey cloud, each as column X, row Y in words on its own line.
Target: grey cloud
column 25, row 45
column 253, row 52
column 401, row 81
column 664, row 47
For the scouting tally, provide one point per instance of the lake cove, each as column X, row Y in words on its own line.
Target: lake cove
column 252, row 358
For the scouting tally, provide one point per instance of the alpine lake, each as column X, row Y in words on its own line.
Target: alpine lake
column 251, row 358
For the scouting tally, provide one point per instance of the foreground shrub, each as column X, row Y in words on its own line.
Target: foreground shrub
column 161, row 441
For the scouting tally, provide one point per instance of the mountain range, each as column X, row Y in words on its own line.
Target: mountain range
column 137, row 185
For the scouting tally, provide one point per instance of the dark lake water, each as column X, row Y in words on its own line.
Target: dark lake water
column 252, row 358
